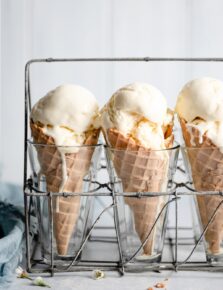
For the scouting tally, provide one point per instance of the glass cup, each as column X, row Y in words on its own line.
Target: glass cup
column 151, row 171
column 205, row 171
column 58, row 169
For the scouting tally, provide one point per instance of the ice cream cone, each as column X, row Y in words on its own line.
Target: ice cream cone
column 53, row 164
column 206, row 162
column 140, row 169
column 137, row 126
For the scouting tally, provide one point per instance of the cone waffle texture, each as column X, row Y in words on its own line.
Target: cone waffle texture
column 206, row 164
column 65, row 210
column 140, row 170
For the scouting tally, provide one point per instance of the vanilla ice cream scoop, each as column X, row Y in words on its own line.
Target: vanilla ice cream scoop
column 201, row 98
column 200, row 104
column 142, row 99
column 138, row 110
column 66, row 113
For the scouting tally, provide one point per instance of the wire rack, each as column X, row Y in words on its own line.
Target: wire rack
column 174, row 237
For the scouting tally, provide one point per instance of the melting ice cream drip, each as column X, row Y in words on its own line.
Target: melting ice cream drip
column 66, row 142
column 192, row 137
column 211, row 129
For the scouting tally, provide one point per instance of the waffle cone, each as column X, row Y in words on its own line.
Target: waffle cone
column 65, row 209
column 140, row 170
column 207, row 172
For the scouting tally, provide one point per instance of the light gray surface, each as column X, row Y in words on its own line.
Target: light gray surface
column 137, row 281
column 177, row 281
column 83, row 281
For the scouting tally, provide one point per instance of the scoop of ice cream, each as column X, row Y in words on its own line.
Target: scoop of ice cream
column 200, row 104
column 140, row 111
column 201, row 98
column 66, row 113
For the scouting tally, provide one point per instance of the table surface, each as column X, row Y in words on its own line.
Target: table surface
column 142, row 281
column 138, row 281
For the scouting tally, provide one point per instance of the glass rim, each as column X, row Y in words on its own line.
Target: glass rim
column 177, row 146
column 199, row 148
column 63, row 146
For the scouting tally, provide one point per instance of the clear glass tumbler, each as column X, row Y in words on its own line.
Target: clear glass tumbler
column 63, row 169
column 205, row 170
column 142, row 171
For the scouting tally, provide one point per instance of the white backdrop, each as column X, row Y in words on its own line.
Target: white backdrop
column 72, row 28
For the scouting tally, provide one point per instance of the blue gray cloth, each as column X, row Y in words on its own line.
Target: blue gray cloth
column 11, row 232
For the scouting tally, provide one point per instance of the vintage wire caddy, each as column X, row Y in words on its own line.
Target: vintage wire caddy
column 44, row 259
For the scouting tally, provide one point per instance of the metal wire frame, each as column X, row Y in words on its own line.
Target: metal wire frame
column 75, row 265
column 122, row 266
